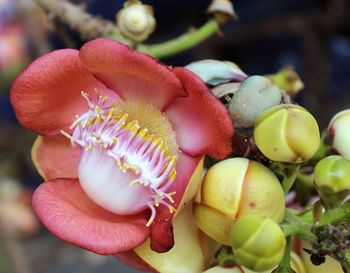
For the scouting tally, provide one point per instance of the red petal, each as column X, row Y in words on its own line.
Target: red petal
column 162, row 238
column 201, row 121
column 47, row 95
column 54, row 157
column 132, row 74
column 68, row 213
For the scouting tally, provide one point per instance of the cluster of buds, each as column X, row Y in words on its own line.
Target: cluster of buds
column 332, row 241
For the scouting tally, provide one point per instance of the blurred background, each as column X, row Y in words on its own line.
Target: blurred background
column 311, row 35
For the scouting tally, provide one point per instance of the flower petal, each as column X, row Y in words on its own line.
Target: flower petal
column 132, row 74
column 54, row 157
column 201, row 121
column 47, row 95
column 185, row 185
column 68, row 213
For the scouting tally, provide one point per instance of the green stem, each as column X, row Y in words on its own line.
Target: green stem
column 289, row 179
column 334, row 216
column 324, row 149
column 305, row 179
column 285, row 262
column 301, row 231
column 346, row 265
column 294, row 225
column 181, row 43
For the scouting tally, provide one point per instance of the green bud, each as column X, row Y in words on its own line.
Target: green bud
column 339, row 128
column 254, row 96
column 332, row 180
column 287, row 133
column 215, row 72
column 288, row 80
column 258, row 242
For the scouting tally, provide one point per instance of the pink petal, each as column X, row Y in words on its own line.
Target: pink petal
column 162, row 238
column 132, row 74
column 201, row 121
column 68, row 213
column 54, row 157
column 47, row 95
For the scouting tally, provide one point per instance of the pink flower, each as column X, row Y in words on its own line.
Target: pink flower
column 134, row 134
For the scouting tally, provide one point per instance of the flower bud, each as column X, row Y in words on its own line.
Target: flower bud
column 222, row 10
column 233, row 188
column 288, row 80
column 332, row 180
column 215, row 72
column 287, row 133
column 136, row 20
column 339, row 127
column 258, row 242
column 254, row 96
column 296, row 264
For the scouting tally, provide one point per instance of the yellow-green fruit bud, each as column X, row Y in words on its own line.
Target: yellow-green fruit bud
column 332, row 180
column 296, row 264
column 287, row 133
column 339, row 127
column 258, row 242
column 233, row 188
column 221, row 269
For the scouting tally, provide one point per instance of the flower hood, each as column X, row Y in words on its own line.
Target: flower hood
column 46, row 98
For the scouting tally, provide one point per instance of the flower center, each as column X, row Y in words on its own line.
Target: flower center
column 128, row 156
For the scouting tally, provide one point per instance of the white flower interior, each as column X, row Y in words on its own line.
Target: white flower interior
column 125, row 166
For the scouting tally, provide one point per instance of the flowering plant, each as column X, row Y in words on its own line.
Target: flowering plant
column 121, row 146
column 125, row 163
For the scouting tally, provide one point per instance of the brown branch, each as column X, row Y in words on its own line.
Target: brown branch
column 77, row 18
column 41, row 44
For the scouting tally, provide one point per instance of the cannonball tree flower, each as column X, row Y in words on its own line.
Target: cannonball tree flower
column 121, row 139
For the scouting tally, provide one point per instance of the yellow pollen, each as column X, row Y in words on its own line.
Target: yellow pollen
column 156, row 122
column 65, row 134
column 96, row 90
column 121, row 125
column 156, row 202
column 111, row 112
column 96, row 135
column 149, row 222
column 88, row 148
column 172, row 175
